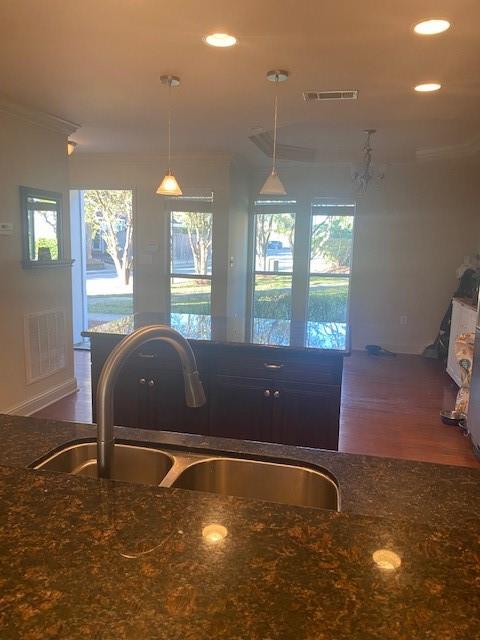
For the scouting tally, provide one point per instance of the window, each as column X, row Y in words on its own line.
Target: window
column 306, row 260
column 42, row 219
column 329, row 275
column 191, row 271
column 273, row 269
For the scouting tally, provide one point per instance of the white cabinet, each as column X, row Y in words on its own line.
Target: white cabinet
column 464, row 317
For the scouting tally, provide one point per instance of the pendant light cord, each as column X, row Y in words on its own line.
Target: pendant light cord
column 169, row 125
column 274, row 156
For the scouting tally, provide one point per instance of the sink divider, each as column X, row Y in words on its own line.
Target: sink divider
column 180, row 463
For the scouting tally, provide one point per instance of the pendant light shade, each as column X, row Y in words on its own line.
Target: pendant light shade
column 169, row 185
column 71, row 147
column 273, row 186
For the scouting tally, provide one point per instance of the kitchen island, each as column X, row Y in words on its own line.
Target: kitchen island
column 279, row 383
column 83, row 558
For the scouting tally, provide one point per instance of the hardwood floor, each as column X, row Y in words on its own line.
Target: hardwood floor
column 390, row 407
column 78, row 406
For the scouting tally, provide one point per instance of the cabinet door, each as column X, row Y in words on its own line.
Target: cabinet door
column 131, row 401
column 240, row 408
column 306, row 415
column 167, row 408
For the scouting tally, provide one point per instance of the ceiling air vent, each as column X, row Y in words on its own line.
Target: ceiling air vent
column 317, row 96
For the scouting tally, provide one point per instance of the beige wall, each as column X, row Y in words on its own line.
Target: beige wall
column 411, row 233
column 196, row 174
column 33, row 156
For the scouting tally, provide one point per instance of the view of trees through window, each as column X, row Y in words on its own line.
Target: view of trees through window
column 190, row 262
column 109, row 224
column 108, row 215
column 43, row 233
column 274, row 245
column 330, row 258
column 326, row 301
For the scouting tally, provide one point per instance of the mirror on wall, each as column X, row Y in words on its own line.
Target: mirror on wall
column 42, row 227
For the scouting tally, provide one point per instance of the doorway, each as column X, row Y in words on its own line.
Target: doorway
column 102, row 247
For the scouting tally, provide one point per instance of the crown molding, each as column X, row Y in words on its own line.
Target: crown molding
column 463, row 150
column 40, row 118
column 148, row 157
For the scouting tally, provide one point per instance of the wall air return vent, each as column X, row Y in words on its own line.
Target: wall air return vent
column 318, row 96
column 44, row 343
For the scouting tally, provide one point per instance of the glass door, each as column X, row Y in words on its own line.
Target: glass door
column 329, row 274
column 272, row 278
column 191, row 272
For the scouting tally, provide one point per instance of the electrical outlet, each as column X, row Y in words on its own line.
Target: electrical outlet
column 403, row 320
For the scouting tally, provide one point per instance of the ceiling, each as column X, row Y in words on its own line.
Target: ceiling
column 98, row 63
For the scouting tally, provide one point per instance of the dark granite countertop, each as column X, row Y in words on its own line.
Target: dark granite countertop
column 325, row 337
column 83, row 558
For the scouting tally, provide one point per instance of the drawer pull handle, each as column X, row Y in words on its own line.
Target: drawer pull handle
column 276, row 394
column 266, row 393
column 151, row 383
column 147, row 355
column 142, row 381
column 273, row 365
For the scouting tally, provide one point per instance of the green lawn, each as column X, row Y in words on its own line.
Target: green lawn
column 327, row 303
column 118, row 304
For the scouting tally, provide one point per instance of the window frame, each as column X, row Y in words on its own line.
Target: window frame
column 303, row 210
column 56, row 205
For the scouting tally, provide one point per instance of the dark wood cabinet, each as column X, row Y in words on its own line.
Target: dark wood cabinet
column 289, row 396
column 131, row 400
column 306, row 415
column 240, row 408
column 149, row 393
column 283, row 412
column 167, row 408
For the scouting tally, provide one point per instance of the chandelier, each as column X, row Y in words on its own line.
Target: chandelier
column 366, row 172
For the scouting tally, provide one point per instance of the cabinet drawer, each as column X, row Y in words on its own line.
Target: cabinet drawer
column 300, row 367
column 160, row 356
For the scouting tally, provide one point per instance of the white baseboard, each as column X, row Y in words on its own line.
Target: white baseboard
column 44, row 399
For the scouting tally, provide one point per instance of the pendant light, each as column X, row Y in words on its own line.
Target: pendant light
column 273, row 185
column 71, row 147
column 169, row 185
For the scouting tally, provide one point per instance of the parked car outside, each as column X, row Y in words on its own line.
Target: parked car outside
column 275, row 245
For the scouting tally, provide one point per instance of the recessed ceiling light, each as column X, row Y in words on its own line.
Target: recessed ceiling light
column 428, row 87
column 431, row 27
column 220, row 40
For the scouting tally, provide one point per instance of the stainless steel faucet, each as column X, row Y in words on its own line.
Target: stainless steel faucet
column 194, row 393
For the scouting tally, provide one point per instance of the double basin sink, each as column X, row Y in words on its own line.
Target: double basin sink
column 259, row 479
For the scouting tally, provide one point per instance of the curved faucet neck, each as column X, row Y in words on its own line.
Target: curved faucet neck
column 194, row 393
